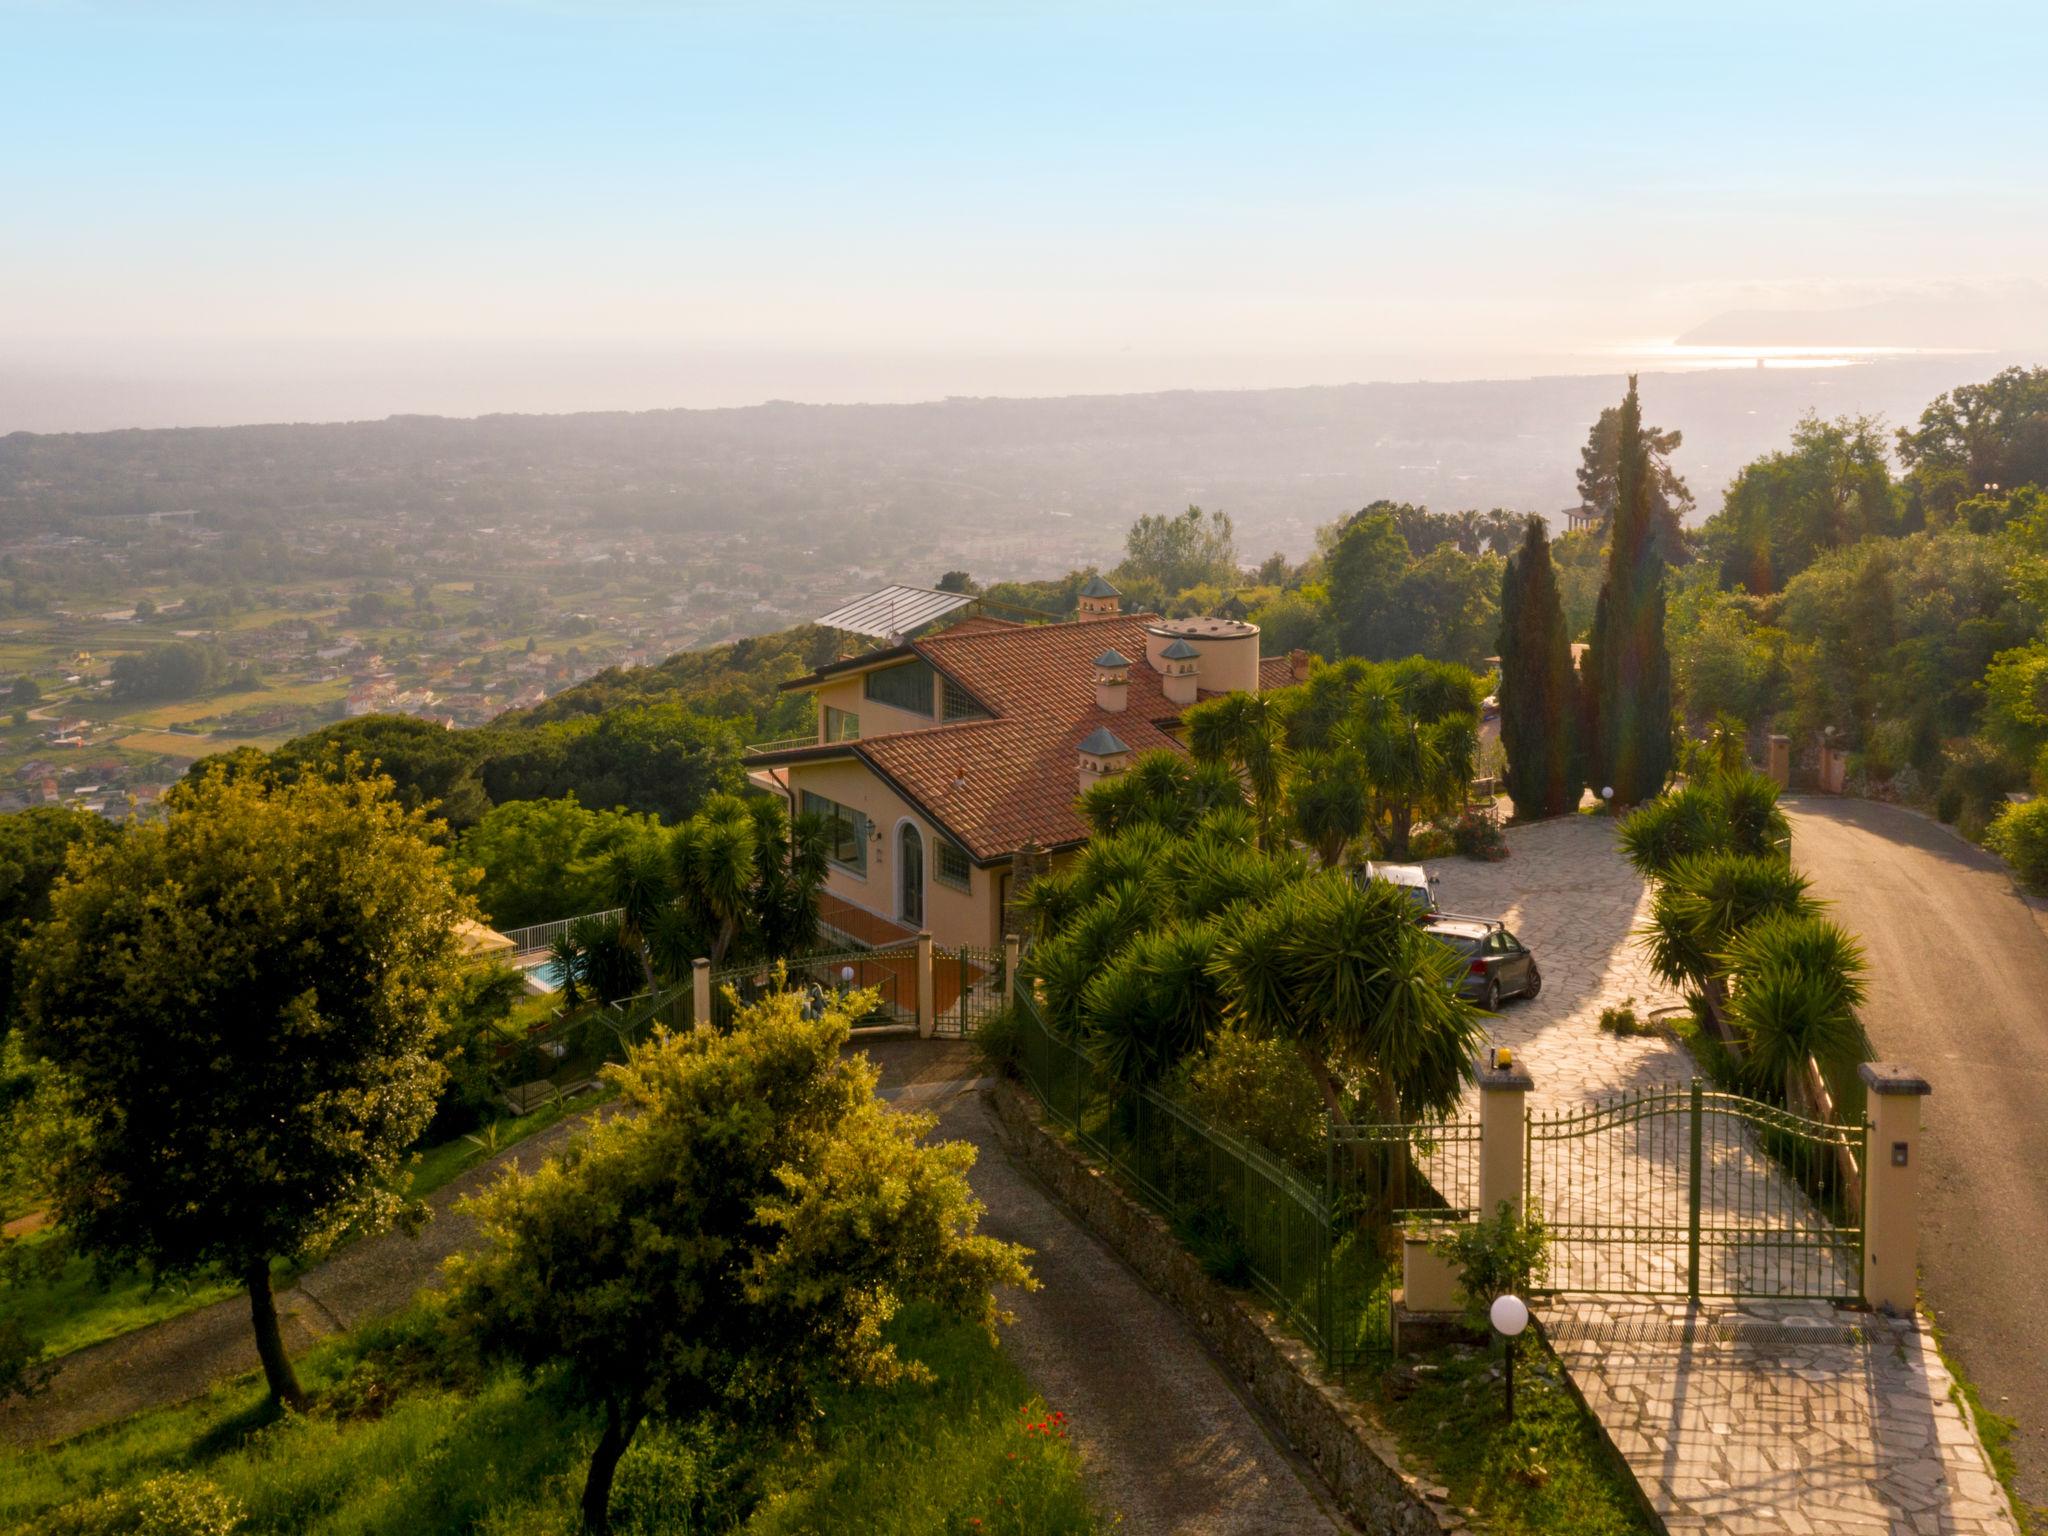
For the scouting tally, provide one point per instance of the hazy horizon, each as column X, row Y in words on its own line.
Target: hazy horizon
column 233, row 212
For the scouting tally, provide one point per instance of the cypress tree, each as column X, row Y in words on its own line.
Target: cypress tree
column 1632, row 670
column 1539, row 690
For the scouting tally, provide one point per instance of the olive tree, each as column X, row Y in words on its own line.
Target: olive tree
column 731, row 1242
column 243, row 1003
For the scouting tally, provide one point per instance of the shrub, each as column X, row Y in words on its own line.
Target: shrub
column 1974, row 779
column 1431, row 843
column 1476, row 835
column 1495, row 1255
column 176, row 1504
column 1798, row 981
column 2019, row 835
column 1258, row 1089
column 1623, row 1021
column 999, row 1043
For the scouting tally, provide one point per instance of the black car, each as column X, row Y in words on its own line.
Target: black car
column 1497, row 964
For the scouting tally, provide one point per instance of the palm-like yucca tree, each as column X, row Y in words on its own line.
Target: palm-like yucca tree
column 1164, row 789
column 715, row 860
column 1328, row 802
column 1705, row 901
column 1731, row 812
column 1344, row 972
column 1797, row 985
column 1210, row 875
column 1135, row 856
column 565, row 958
column 1750, row 812
column 1247, row 732
column 637, row 872
column 1067, row 962
column 1660, row 832
column 1154, row 1004
column 1049, row 902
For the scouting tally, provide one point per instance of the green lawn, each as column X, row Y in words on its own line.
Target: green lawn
column 1547, row 1471
column 404, row 1441
column 61, row 1302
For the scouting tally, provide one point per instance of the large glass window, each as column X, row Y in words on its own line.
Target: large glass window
column 841, row 724
column 846, row 831
column 907, row 687
column 951, row 864
column 960, row 706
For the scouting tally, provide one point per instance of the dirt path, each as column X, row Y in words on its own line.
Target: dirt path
column 1959, row 992
column 182, row 1356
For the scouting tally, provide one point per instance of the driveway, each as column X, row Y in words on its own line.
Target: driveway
column 1959, row 991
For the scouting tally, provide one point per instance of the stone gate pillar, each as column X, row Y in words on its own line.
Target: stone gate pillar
column 1504, row 1087
column 1891, row 1186
column 700, row 993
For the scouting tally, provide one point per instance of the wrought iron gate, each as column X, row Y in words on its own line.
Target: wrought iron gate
column 1685, row 1191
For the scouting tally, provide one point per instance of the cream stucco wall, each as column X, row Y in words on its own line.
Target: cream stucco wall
column 876, row 719
column 953, row 916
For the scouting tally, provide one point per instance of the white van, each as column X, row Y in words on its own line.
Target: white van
column 1416, row 882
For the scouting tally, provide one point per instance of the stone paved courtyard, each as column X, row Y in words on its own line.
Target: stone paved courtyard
column 1743, row 1417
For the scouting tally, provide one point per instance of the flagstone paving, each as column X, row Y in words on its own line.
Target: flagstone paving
column 1757, row 1416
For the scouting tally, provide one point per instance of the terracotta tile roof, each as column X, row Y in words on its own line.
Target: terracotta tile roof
column 995, row 785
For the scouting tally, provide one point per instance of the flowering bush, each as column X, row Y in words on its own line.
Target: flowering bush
column 1476, row 835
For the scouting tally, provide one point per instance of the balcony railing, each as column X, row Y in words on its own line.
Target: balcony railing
column 783, row 745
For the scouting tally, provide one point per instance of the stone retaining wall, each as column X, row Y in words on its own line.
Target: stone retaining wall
column 1358, row 1461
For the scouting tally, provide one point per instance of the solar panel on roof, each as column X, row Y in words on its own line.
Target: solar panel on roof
column 893, row 611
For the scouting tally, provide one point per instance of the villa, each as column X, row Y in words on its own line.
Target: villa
column 947, row 765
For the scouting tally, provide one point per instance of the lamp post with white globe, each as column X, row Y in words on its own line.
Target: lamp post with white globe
column 1509, row 1315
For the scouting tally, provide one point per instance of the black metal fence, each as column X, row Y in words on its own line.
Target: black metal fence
column 1247, row 1215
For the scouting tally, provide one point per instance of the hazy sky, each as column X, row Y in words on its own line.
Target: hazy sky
column 999, row 179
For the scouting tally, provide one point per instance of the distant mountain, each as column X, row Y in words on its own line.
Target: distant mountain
column 1030, row 486
column 2012, row 320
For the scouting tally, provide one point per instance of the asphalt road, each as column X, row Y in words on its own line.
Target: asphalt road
column 1959, row 992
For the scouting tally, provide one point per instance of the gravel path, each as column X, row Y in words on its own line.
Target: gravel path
column 1166, row 1442
column 182, row 1357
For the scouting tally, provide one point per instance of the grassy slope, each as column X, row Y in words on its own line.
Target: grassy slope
column 1547, row 1471
column 65, row 1306
column 423, row 1457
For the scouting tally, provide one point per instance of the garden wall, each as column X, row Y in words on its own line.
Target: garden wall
column 1358, row 1461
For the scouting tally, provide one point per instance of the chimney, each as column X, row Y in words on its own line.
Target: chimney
column 1297, row 663
column 1102, row 756
column 1112, row 681
column 1099, row 599
column 1180, row 664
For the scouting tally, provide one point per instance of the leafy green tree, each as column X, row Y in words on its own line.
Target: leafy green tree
column 653, row 759
column 244, row 1001
column 1299, row 620
column 958, row 581
column 1539, row 689
column 25, row 691
column 1446, row 607
column 1365, row 569
column 1170, row 554
column 1631, row 752
column 544, row 859
column 1832, row 488
column 431, row 768
column 1972, row 437
column 34, row 847
column 1725, row 660
column 174, row 671
column 1666, row 500
column 731, row 1244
